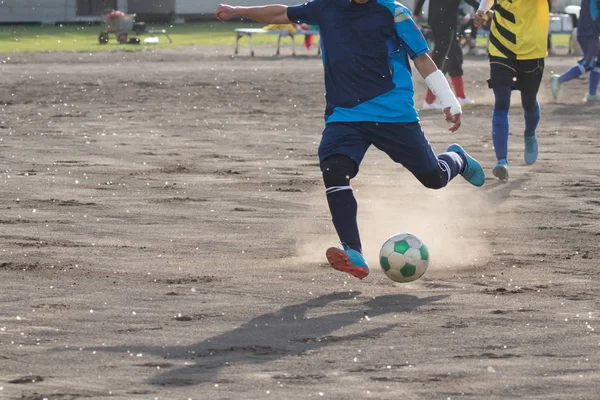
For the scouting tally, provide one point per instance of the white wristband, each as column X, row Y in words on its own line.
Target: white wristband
column 485, row 5
column 439, row 86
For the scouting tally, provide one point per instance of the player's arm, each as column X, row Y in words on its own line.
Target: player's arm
column 436, row 81
column 271, row 14
column 484, row 8
column 595, row 6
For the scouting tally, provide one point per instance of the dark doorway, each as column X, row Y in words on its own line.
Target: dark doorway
column 94, row 7
column 151, row 6
column 152, row 10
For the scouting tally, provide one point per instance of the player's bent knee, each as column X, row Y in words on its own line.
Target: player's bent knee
column 337, row 170
column 502, row 104
column 502, row 97
column 433, row 180
column 529, row 101
column 456, row 71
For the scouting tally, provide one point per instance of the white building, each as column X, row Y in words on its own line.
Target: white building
column 52, row 11
column 195, row 7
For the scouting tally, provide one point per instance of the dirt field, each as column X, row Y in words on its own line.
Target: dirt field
column 163, row 231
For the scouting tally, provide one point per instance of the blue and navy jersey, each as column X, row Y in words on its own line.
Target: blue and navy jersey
column 587, row 24
column 366, row 51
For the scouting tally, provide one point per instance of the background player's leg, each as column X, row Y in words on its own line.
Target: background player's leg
column 337, row 171
column 500, row 125
column 532, row 118
column 441, row 36
column 594, row 80
column 530, row 85
column 473, row 39
column 572, row 73
column 429, row 97
column 454, row 65
column 503, row 79
column 458, row 84
column 500, row 130
column 531, row 108
column 589, row 45
column 593, row 84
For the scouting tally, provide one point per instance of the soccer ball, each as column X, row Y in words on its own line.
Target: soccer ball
column 404, row 257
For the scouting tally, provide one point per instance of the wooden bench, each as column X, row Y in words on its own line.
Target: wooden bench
column 250, row 32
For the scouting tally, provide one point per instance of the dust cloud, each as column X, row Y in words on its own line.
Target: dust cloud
column 449, row 221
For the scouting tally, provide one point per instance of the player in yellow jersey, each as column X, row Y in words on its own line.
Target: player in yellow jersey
column 517, row 47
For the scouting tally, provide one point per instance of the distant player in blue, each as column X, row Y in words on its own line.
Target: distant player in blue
column 366, row 49
column 588, row 31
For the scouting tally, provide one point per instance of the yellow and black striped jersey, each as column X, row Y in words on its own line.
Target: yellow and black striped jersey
column 520, row 29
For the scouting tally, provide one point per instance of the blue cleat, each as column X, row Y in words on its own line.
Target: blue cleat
column 555, row 86
column 531, row 149
column 348, row 260
column 473, row 172
column 501, row 170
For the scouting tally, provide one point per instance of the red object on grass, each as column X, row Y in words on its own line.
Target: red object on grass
column 308, row 41
column 114, row 14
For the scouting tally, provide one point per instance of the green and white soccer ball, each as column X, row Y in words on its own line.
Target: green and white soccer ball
column 404, row 257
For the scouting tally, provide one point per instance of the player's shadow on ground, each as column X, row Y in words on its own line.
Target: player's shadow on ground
column 287, row 332
column 498, row 192
column 572, row 109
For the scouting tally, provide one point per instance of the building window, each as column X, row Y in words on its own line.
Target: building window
column 94, row 7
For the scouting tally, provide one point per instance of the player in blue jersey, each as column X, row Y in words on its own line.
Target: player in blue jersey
column 366, row 49
column 588, row 30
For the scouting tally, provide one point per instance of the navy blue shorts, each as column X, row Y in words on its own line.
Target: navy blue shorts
column 590, row 46
column 405, row 143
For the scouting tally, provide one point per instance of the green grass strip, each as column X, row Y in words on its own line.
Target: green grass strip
column 84, row 38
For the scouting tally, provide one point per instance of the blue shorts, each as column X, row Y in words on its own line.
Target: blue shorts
column 405, row 143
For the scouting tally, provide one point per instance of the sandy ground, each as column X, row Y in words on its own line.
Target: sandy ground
column 163, row 228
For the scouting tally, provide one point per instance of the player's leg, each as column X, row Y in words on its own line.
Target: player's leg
column 529, row 80
column 454, row 64
column 337, row 171
column 500, row 130
column 503, row 75
column 441, row 35
column 473, row 38
column 593, row 84
column 589, row 46
column 594, row 80
column 341, row 150
column 406, row 144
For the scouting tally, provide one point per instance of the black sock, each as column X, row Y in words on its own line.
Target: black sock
column 343, row 208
